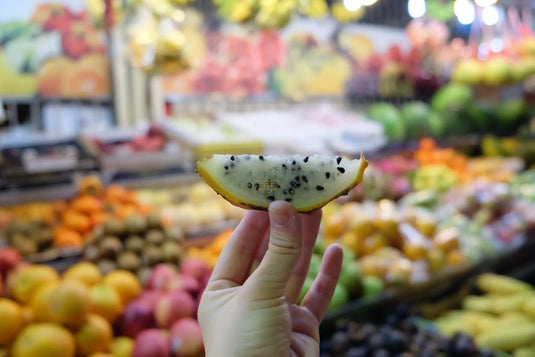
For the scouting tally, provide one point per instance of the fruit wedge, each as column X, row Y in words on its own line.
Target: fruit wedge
column 307, row 182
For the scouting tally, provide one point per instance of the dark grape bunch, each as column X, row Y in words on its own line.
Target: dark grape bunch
column 397, row 336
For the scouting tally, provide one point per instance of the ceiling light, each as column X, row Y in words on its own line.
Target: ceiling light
column 465, row 11
column 352, row 5
column 416, row 8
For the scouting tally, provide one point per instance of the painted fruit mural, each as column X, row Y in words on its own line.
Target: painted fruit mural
column 55, row 52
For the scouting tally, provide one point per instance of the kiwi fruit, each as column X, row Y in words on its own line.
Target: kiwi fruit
column 153, row 255
column 128, row 261
column 174, row 233
column 172, row 252
column 110, row 247
column 114, row 226
column 155, row 237
column 106, row 266
column 25, row 246
column 154, row 221
column 135, row 244
column 91, row 254
column 135, row 223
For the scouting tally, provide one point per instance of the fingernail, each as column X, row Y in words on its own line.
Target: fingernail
column 279, row 214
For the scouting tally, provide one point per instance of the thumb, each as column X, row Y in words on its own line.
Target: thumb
column 284, row 248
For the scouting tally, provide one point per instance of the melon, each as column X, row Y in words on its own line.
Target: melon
column 307, row 182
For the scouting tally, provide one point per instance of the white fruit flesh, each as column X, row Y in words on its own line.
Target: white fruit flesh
column 307, row 182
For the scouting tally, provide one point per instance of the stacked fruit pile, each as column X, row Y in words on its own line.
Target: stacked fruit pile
column 136, row 244
column 210, row 252
column 45, row 314
column 397, row 334
column 162, row 320
column 503, row 318
column 193, row 208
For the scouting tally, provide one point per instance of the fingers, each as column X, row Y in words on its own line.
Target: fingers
column 271, row 277
column 310, row 224
column 237, row 255
column 320, row 294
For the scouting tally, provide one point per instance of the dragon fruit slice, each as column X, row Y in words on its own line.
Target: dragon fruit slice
column 307, row 182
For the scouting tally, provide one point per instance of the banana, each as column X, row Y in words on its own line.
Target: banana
column 507, row 340
column 501, row 285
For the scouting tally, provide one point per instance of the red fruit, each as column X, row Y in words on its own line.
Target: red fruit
column 190, row 284
column 160, row 277
column 52, row 17
column 151, row 297
column 172, row 307
column 155, row 131
column 78, row 40
column 196, row 268
column 394, row 53
column 186, row 338
column 151, row 343
column 9, row 259
column 137, row 316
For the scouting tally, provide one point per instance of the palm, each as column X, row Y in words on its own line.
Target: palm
column 247, row 294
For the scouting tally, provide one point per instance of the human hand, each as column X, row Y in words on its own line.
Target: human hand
column 248, row 312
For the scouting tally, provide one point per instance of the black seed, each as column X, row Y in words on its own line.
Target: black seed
column 291, row 191
column 277, row 185
column 284, row 166
column 226, row 167
column 338, row 159
column 261, row 157
column 249, row 185
column 298, row 185
column 293, row 162
column 327, row 174
column 304, row 178
column 293, row 184
column 232, row 157
column 283, row 192
column 257, row 186
column 288, row 199
column 297, row 178
column 341, row 169
column 271, row 198
column 319, row 188
column 305, row 159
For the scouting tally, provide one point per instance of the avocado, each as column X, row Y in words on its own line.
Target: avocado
column 110, row 247
column 155, row 237
column 135, row 244
column 114, row 227
column 153, row 255
column 135, row 224
column 128, row 261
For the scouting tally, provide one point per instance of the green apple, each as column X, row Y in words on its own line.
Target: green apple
column 340, row 297
column 351, row 277
column 372, row 285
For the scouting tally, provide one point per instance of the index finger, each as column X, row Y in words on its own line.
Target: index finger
column 235, row 259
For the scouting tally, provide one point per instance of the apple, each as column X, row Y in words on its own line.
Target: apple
column 160, row 277
column 151, row 343
column 191, row 285
column 186, row 338
column 9, row 259
column 151, row 297
column 137, row 316
column 195, row 268
column 172, row 307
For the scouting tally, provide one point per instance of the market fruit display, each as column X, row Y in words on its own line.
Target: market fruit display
column 500, row 317
column 397, row 333
column 135, row 244
column 307, row 182
column 46, row 314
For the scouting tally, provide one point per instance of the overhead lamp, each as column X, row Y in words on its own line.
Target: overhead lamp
column 485, row 3
column 368, row 2
column 490, row 15
column 416, row 8
column 352, row 5
column 465, row 11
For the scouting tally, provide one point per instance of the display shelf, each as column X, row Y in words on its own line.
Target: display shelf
column 17, row 196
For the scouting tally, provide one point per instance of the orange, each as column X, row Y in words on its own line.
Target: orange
column 68, row 303
column 105, row 301
column 44, row 340
column 30, row 278
column 40, row 303
column 11, row 320
column 125, row 284
column 94, row 336
column 85, row 272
